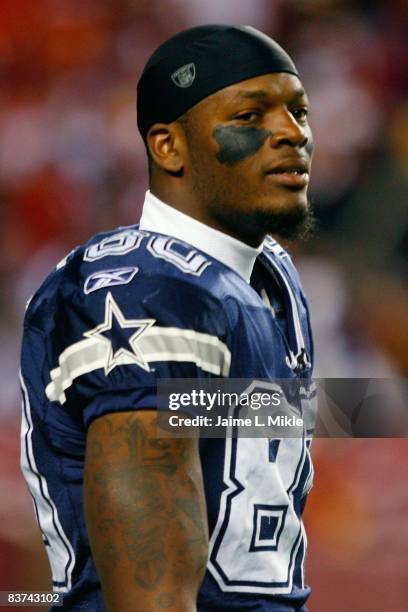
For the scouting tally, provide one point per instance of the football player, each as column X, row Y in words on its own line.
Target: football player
column 199, row 289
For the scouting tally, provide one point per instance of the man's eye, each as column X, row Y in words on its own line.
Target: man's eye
column 300, row 113
column 248, row 116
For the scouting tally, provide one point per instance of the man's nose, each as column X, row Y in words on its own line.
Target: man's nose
column 285, row 130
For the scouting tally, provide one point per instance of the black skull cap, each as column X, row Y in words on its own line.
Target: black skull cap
column 197, row 62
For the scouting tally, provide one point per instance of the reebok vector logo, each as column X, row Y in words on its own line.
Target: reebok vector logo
column 108, row 278
column 184, row 76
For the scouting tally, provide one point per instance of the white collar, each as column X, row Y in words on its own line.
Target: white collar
column 164, row 219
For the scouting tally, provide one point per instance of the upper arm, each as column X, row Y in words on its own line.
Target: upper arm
column 145, row 513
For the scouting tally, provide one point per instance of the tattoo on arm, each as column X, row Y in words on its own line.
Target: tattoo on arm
column 145, row 511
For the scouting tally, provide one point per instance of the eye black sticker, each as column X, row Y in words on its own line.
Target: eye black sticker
column 237, row 143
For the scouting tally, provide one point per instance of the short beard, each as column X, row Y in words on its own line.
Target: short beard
column 296, row 224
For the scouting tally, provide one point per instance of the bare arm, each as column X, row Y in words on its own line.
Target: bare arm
column 145, row 514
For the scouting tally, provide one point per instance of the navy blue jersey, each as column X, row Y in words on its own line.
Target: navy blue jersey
column 125, row 309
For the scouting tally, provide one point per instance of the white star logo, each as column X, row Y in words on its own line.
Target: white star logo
column 121, row 343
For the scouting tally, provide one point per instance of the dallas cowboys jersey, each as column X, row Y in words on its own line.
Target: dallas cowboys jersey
column 133, row 306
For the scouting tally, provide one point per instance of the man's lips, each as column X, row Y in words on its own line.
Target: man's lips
column 290, row 172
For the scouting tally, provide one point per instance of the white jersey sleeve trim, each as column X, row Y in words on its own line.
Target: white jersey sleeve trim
column 155, row 344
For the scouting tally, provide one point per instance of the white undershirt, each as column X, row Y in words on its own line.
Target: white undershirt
column 164, row 219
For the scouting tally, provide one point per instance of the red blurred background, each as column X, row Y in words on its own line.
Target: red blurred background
column 72, row 164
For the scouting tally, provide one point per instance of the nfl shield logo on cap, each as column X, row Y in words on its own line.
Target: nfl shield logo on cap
column 184, row 76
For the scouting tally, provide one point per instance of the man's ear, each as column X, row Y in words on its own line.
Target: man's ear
column 165, row 143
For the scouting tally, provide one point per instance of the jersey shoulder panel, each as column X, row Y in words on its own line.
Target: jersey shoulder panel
column 127, row 255
column 109, row 333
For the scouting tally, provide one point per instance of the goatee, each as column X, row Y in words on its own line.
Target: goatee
column 251, row 227
column 295, row 224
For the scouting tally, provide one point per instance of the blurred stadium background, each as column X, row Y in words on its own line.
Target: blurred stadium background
column 72, row 164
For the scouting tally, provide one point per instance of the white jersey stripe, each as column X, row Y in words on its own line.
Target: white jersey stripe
column 60, row 551
column 156, row 344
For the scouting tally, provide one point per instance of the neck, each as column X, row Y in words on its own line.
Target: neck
column 187, row 203
column 159, row 217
